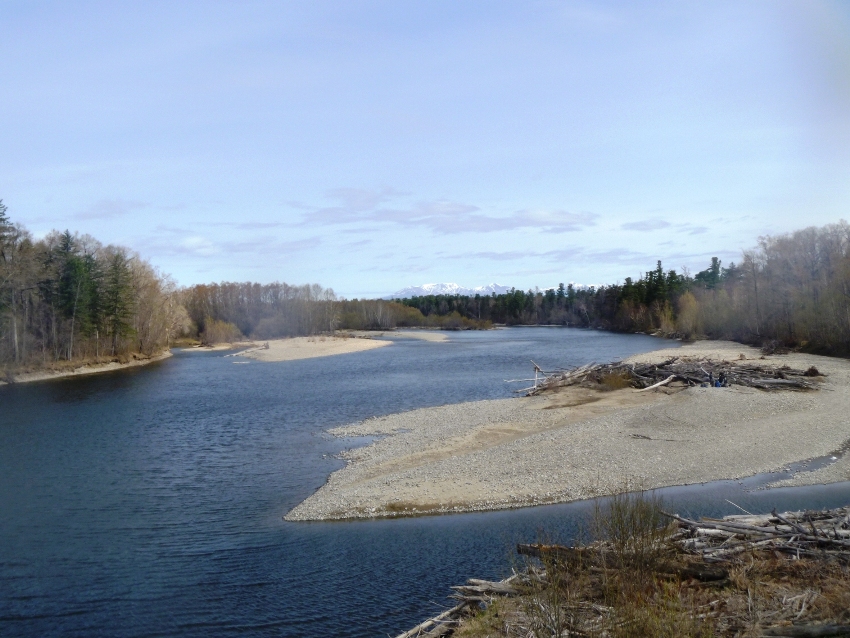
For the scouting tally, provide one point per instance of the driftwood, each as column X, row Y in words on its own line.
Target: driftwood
column 698, row 554
column 449, row 616
column 659, row 384
column 684, row 371
column 797, row 533
column 474, row 593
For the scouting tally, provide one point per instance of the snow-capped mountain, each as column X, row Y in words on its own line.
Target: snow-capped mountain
column 447, row 289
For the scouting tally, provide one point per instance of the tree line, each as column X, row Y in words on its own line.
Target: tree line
column 793, row 289
column 67, row 297
column 229, row 311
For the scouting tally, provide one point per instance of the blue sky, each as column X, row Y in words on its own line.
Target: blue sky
column 368, row 146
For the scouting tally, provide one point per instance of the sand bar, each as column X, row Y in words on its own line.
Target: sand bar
column 435, row 336
column 218, row 347
column 309, row 347
column 578, row 443
column 94, row 368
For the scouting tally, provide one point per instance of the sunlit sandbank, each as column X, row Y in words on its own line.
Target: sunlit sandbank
column 310, row 347
column 435, row 336
column 578, row 443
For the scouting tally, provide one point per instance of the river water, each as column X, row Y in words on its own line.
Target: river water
column 148, row 502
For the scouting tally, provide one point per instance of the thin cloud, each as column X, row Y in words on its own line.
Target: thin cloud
column 183, row 243
column 196, row 245
column 499, row 256
column 258, row 225
column 646, row 225
column 359, row 199
column 108, row 209
column 440, row 216
column 567, row 255
column 270, row 246
column 616, row 255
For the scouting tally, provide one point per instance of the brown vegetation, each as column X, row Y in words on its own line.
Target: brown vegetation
column 643, row 577
column 280, row 310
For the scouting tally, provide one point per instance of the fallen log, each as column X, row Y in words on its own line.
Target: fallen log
column 659, row 384
column 416, row 632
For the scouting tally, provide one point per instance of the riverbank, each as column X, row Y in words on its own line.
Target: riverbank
column 85, row 369
column 576, row 443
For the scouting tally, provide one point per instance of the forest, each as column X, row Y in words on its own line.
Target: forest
column 232, row 310
column 792, row 290
column 68, row 298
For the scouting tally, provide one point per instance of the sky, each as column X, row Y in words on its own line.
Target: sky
column 369, row 146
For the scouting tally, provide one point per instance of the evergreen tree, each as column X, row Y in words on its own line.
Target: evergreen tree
column 117, row 303
column 710, row 277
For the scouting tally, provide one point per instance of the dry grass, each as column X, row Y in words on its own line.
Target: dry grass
column 68, row 366
column 631, row 583
column 614, row 381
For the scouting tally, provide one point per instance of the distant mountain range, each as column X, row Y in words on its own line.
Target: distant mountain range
column 447, row 289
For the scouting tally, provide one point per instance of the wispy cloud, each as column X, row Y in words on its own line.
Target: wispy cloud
column 358, row 244
column 365, row 208
column 360, row 199
column 178, row 241
column 646, row 225
column 108, row 209
column 196, row 245
column 566, row 255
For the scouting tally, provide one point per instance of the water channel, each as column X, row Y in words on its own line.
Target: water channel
column 148, row 502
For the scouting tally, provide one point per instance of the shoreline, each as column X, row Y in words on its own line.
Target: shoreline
column 576, row 443
column 84, row 369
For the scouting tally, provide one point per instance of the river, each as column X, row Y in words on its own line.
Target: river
column 148, row 502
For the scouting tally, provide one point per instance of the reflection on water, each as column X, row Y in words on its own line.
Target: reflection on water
column 148, row 502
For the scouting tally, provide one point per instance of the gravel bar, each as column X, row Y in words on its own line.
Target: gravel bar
column 577, row 443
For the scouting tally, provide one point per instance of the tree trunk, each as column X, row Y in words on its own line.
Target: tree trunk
column 15, row 328
column 73, row 321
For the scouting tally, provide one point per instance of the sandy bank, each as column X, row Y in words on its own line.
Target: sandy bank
column 309, row 347
column 46, row 375
column 218, row 347
column 422, row 335
column 579, row 443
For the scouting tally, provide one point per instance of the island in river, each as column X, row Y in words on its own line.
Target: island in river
column 577, row 443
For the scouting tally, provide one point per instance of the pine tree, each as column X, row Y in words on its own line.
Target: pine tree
column 118, row 298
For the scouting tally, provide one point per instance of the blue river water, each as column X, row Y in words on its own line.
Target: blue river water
column 148, row 502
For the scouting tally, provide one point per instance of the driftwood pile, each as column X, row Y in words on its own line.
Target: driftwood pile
column 810, row 533
column 682, row 371
column 475, row 593
column 713, row 558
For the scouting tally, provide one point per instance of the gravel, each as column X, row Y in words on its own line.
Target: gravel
column 577, row 444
